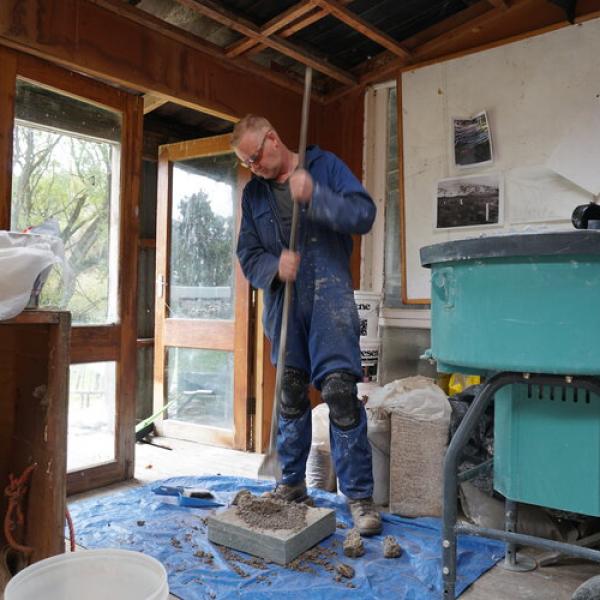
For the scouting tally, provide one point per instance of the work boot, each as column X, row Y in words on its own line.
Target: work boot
column 365, row 516
column 295, row 492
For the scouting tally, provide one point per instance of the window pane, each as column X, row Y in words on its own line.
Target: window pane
column 66, row 159
column 202, row 238
column 393, row 277
column 200, row 384
column 91, row 433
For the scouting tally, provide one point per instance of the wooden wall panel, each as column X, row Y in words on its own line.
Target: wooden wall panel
column 8, row 70
column 340, row 130
column 74, row 33
column 130, row 196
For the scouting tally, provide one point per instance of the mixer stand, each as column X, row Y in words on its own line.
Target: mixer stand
column 450, row 527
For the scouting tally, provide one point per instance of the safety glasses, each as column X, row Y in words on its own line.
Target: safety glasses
column 255, row 158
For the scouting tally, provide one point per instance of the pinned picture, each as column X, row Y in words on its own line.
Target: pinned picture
column 472, row 141
column 469, row 201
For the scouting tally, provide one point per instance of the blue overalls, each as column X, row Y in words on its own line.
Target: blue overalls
column 323, row 335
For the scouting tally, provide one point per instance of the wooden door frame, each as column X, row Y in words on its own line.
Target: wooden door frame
column 237, row 334
column 105, row 342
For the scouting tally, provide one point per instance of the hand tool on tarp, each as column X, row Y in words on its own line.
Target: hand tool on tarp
column 186, row 496
column 271, row 466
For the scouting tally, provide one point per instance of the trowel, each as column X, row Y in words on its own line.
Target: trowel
column 271, row 466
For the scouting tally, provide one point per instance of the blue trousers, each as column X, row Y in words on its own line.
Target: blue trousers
column 351, row 452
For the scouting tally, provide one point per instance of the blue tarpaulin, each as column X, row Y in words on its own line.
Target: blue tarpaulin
column 138, row 519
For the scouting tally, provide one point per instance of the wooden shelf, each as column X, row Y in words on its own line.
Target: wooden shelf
column 34, row 379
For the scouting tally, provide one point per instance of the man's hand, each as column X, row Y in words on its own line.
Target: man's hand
column 288, row 265
column 301, row 186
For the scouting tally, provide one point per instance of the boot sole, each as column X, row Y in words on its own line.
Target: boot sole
column 370, row 532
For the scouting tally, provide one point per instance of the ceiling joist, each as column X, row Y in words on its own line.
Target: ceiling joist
column 152, row 102
column 273, row 26
column 360, row 25
column 299, row 25
column 459, row 33
column 210, row 9
column 193, row 41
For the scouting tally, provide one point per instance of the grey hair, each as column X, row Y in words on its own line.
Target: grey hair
column 249, row 123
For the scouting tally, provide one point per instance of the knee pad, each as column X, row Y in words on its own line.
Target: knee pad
column 339, row 391
column 294, row 393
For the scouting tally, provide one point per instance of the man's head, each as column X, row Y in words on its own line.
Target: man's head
column 258, row 147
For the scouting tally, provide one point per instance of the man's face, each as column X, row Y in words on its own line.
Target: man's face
column 260, row 152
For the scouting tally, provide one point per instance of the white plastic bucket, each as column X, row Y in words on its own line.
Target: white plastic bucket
column 369, row 351
column 367, row 304
column 369, row 357
column 91, row 575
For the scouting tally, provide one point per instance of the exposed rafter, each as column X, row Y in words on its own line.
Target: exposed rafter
column 442, row 35
column 360, row 25
column 484, row 23
column 299, row 25
column 213, row 11
column 188, row 39
column 273, row 26
column 152, row 102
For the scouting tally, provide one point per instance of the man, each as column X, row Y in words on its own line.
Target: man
column 323, row 336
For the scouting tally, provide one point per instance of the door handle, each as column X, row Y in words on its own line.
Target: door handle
column 160, row 286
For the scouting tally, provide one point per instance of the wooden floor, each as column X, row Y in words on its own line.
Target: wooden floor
column 186, row 458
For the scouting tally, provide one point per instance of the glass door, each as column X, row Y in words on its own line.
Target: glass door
column 74, row 173
column 202, row 299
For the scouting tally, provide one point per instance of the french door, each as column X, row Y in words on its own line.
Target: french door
column 202, row 321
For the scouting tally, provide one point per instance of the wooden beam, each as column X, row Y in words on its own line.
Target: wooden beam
column 466, row 27
column 359, row 24
column 525, row 20
column 155, row 24
column 503, row 4
column 152, row 102
column 210, row 9
column 299, row 25
column 8, row 74
column 382, row 61
column 304, row 23
column 273, row 26
column 149, row 55
column 290, row 30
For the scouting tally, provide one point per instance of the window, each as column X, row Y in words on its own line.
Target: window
column 92, row 394
column 392, row 271
column 66, row 159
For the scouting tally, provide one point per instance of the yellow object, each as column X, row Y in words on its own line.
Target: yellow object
column 459, row 382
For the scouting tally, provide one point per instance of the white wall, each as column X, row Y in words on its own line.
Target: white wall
column 537, row 93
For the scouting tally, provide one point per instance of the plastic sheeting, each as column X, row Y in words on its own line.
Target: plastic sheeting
column 140, row 520
column 23, row 257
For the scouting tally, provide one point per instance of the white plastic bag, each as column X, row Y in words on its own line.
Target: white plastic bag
column 23, row 256
column 378, row 432
column 320, row 471
column 416, row 397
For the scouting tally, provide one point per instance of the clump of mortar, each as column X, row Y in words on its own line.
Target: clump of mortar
column 391, row 548
column 269, row 513
column 353, row 544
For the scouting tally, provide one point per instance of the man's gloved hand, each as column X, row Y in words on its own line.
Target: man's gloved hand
column 288, row 265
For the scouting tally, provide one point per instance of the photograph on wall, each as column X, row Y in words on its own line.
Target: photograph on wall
column 472, row 141
column 469, row 201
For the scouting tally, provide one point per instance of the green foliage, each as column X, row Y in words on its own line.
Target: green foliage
column 202, row 245
column 68, row 178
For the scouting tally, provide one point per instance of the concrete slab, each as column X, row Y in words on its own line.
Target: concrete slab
column 280, row 546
